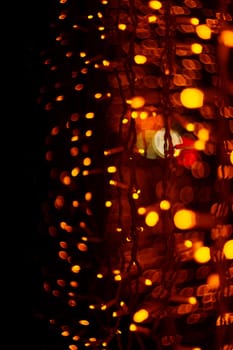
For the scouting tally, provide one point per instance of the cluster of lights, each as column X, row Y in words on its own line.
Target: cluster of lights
column 117, row 120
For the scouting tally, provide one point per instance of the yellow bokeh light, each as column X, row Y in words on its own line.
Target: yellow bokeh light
column 192, row 300
column 203, row 31
column 133, row 327
column 231, row 157
column 155, row 5
column 165, row 205
column 228, row 249
column 148, row 282
column 226, row 37
column 188, row 243
column 192, row 98
column 143, row 115
column 152, row 19
column 202, row 255
column 140, row 59
column 75, row 268
column 196, row 48
column 111, row 169
column 87, row 161
column 184, row 219
column 203, row 134
column 141, row 315
column 190, row 127
column 195, row 21
column 137, row 102
column 90, row 115
column 152, row 218
column 121, row 26
column 108, row 204
column 199, row 145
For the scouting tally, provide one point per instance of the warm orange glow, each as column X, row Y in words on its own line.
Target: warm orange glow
column 141, row 315
column 74, row 151
column 98, row 95
column 140, row 59
column 84, row 322
column 228, row 249
column 65, row 333
column 184, row 219
column 155, row 5
column 59, row 202
column 75, row 268
column 165, row 205
column 75, row 171
column 87, row 161
column 152, row 218
column 231, row 157
column 73, row 347
column 203, row 134
column 202, row 255
column 108, row 204
column 203, row 31
column 90, row 115
column 111, row 169
column 137, row 102
column 226, row 38
column 213, row 281
column 132, row 327
column 141, row 211
column 199, row 145
column 192, row 98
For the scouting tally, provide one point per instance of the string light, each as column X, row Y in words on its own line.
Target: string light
column 137, row 90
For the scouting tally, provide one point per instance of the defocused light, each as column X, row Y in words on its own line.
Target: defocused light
column 155, row 5
column 188, row 243
column 195, row 21
column 228, row 249
column 190, row 127
column 213, row 281
column 140, row 59
column 75, row 268
column 203, row 31
column 199, row 145
column 141, row 211
column 133, row 327
column 203, row 134
column 184, row 219
column 140, row 315
column 202, row 255
column 196, row 48
column 137, row 102
column 152, row 19
column 226, row 38
column 192, row 98
column 231, row 157
column 152, row 218
column 192, row 300
column 121, row 26
column 165, row 205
